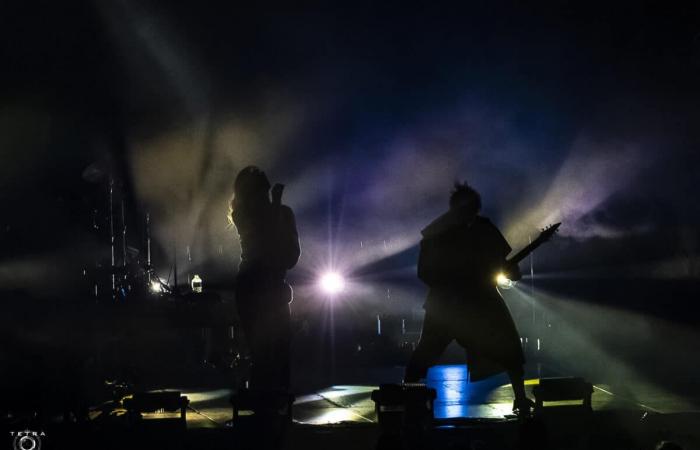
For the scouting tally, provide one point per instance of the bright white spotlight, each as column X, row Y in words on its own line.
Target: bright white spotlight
column 332, row 283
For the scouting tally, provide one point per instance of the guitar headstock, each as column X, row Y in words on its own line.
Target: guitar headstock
column 547, row 232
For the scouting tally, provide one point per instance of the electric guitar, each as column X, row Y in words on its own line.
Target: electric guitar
column 545, row 235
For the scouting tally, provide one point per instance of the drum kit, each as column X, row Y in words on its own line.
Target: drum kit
column 128, row 272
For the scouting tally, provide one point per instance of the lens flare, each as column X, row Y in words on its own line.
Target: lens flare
column 332, row 283
column 503, row 281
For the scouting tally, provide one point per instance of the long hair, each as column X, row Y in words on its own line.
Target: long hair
column 250, row 187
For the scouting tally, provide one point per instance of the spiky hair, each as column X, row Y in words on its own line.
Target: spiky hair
column 464, row 194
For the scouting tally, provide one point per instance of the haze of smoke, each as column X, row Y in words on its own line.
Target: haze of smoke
column 589, row 176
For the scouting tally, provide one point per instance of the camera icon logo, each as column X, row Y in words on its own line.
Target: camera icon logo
column 27, row 439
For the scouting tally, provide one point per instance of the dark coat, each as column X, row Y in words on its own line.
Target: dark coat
column 459, row 261
column 269, row 247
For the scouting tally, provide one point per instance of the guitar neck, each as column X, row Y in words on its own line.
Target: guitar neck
column 522, row 254
column 544, row 236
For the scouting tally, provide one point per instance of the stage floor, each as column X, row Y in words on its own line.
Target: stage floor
column 456, row 399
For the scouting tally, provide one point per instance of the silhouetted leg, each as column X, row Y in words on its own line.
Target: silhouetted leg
column 433, row 341
column 280, row 348
column 265, row 359
column 521, row 402
column 285, row 350
column 265, row 319
column 247, row 302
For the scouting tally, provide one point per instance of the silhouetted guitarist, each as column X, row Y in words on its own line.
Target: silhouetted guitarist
column 460, row 254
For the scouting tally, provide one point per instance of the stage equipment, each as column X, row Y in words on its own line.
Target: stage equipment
column 158, row 286
column 403, row 406
column 153, row 403
column 564, row 392
column 332, row 283
column 247, row 403
column 196, row 284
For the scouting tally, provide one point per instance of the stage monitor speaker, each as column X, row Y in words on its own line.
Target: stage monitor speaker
column 563, row 392
column 247, row 402
column 168, row 406
column 400, row 406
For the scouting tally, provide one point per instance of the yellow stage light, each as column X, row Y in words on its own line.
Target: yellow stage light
column 503, row 281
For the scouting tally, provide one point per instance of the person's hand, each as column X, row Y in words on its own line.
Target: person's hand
column 276, row 193
column 512, row 272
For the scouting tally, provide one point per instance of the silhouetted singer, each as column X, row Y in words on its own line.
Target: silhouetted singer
column 269, row 247
column 460, row 254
